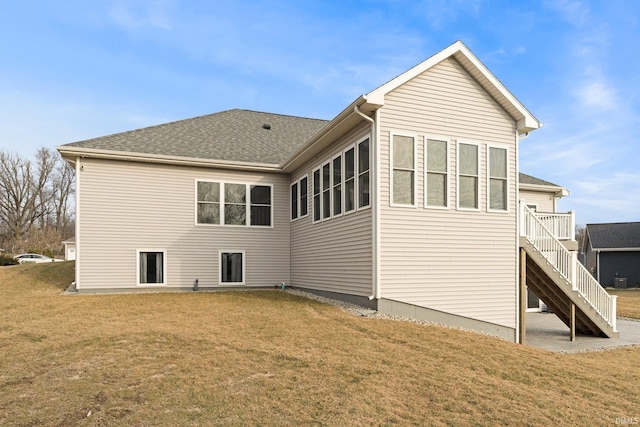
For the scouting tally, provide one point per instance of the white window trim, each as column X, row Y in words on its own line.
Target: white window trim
column 391, row 168
column 447, row 140
column 488, row 180
column 244, row 267
column 478, row 198
column 357, row 173
column 355, row 178
column 164, row 268
column 333, row 184
column 222, row 203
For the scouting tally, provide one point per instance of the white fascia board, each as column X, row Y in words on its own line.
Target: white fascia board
column 556, row 190
column 71, row 153
column 525, row 123
column 617, row 249
column 326, row 135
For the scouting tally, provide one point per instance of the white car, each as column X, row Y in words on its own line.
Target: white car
column 26, row 258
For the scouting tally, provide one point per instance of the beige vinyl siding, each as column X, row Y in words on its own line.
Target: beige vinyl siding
column 455, row 261
column 545, row 201
column 334, row 255
column 125, row 206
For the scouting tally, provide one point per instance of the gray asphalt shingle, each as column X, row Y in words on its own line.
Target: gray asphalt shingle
column 528, row 179
column 614, row 235
column 232, row 135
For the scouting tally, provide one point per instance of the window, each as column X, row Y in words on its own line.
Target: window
column 468, row 176
column 316, row 195
column 299, row 201
column 436, row 175
column 226, row 203
column 337, row 185
column 349, row 180
column 260, row 209
column 363, row 174
column 403, row 173
column 326, row 191
column 304, row 204
column 151, row 267
column 294, row 200
column 497, row 179
column 232, row 267
column 208, row 202
column 235, row 204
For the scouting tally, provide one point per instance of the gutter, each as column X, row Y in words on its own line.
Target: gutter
column 71, row 153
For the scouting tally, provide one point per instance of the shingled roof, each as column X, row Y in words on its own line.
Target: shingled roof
column 528, row 179
column 232, row 135
column 620, row 235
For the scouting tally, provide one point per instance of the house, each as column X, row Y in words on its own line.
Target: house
column 612, row 253
column 69, row 249
column 406, row 202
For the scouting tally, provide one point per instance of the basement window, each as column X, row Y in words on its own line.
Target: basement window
column 232, row 268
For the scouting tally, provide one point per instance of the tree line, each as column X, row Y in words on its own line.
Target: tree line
column 36, row 202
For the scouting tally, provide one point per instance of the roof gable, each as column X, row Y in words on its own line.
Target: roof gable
column 526, row 122
column 621, row 235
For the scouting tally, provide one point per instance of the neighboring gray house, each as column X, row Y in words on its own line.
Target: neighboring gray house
column 612, row 253
column 407, row 202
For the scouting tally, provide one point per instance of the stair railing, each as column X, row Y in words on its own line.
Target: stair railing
column 567, row 264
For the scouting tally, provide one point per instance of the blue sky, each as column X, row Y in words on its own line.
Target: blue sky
column 72, row 70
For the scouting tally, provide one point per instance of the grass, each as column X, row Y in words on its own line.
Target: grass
column 270, row 358
column 628, row 303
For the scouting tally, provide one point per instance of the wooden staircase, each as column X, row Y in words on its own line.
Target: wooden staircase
column 561, row 281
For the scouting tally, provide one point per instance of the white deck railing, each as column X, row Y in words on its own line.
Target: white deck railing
column 561, row 225
column 567, row 264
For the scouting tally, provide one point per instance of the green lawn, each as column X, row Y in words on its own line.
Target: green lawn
column 271, row 358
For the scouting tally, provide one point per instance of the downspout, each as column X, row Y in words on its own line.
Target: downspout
column 519, row 291
column 375, row 291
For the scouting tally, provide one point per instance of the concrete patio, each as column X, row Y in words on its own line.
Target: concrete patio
column 546, row 331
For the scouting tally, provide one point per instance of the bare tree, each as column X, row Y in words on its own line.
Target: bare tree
column 580, row 234
column 34, row 200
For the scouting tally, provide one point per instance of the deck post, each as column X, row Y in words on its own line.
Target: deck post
column 523, row 295
column 572, row 321
column 613, row 315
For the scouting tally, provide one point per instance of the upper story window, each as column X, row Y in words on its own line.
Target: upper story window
column 468, row 176
column 235, row 204
column 336, row 168
column 326, row 190
column 226, row 204
column 436, row 173
column 316, row 195
column 341, row 184
column 363, row 174
column 260, row 210
column 294, row 200
column 304, row 203
column 349, row 180
column 299, row 201
column 403, row 170
column 497, row 173
column 208, row 202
